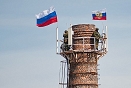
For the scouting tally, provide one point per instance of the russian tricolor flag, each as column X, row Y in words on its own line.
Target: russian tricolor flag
column 46, row 17
column 99, row 15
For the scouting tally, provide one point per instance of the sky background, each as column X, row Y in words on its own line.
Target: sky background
column 28, row 56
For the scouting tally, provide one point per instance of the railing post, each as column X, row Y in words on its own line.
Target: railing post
column 83, row 44
column 94, row 43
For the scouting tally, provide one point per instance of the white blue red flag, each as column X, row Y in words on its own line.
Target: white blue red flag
column 99, row 14
column 46, row 17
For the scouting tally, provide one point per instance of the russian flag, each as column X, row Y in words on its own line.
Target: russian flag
column 46, row 17
column 99, row 15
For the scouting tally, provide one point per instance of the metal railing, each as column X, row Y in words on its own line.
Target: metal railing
column 86, row 44
column 90, row 46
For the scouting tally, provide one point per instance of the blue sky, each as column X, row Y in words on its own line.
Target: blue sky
column 28, row 54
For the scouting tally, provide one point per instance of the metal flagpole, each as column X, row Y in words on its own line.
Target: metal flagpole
column 107, row 39
column 57, row 40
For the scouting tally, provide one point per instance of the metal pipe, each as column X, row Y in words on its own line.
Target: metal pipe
column 57, row 40
column 107, row 39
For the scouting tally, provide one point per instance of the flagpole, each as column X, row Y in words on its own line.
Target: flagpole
column 107, row 38
column 57, row 40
